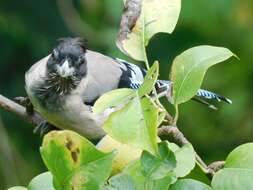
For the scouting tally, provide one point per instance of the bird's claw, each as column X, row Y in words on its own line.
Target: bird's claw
column 26, row 102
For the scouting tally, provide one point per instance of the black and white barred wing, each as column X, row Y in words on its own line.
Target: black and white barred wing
column 211, row 95
column 133, row 77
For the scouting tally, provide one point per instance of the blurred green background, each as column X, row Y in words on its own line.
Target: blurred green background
column 28, row 32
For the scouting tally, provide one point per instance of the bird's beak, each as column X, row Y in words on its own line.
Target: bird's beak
column 65, row 70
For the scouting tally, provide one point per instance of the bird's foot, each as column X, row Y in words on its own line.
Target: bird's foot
column 26, row 102
column 43, row 128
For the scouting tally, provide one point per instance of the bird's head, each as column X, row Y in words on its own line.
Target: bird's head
column 67, row 60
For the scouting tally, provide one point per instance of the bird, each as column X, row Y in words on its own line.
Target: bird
column 64, row 85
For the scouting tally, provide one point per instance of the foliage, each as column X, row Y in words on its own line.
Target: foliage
column 155, row 17
column 42, row 181
column 241, row 157
column 75, row 163
column 18, row 188
column 189, row 184
column 189, row 68
column 159, row 172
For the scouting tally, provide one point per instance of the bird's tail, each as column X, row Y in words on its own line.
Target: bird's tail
column 201, row 95
column 211, row 95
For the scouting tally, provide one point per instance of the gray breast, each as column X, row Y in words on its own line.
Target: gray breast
column 39, row 89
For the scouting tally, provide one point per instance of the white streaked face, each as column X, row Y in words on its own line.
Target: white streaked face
column 67, row 61
column 65, row 70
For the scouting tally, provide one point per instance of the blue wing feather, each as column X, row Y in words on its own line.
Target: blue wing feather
column 133, row 77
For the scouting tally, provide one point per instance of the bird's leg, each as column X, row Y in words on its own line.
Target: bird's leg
column 26, row 102
column 162, row 94
column 43, row 128
column 164, row 91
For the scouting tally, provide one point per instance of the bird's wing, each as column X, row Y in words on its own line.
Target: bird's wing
column 103, row 75
column 132, row 75
column 106, row 73
column 211, row 95
column 36, row 73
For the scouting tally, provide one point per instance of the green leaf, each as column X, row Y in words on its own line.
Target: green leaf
column 173, row 147
column 158, row 167
column 189, row 68
column 149, row 80
column 120, row 182
column 112, row 99
column 189, row 184
column 241, row 157
column 125, row 153
column 155, row 16
column 133, row 169
column 141, row 182
column 233, row 179
column 17, row 188
column 161, row 184
column 161, row 117
column 135, row 124
column 74, row 161
column 185, row 157
column 43, row 181
column 92, row 175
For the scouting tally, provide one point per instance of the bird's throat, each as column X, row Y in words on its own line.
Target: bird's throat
column 52, row 93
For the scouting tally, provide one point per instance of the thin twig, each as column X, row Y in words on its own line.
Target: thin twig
column 217, row 165
column 19, row 110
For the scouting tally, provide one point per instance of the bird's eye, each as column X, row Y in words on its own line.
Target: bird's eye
column 81, row 60
column 55, row 54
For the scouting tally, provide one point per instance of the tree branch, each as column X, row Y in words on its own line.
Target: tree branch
column 19, row 110
column 168, row 131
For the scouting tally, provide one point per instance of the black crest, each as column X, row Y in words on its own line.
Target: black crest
column 68, row 42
